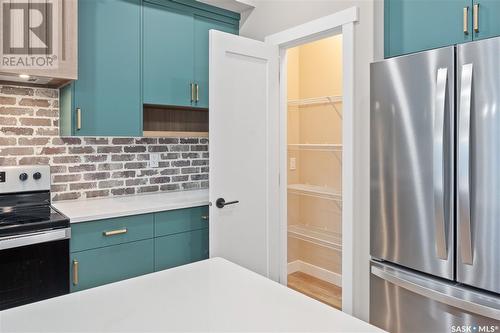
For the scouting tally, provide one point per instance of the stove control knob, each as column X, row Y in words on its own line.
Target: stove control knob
column 23, row 177
column 37, row 175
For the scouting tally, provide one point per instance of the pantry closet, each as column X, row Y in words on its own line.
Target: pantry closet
column 314, row 138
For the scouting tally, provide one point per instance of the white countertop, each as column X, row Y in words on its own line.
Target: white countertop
column 208, row 296
column 102, row 208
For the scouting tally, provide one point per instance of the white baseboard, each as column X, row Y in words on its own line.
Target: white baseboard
column 316, row 271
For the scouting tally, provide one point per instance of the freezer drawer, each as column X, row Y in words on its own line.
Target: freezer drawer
column 411, row 161
column 405, row 301
column 478, row 171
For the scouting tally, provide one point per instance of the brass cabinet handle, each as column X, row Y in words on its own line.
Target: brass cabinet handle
column 204, row 217
column 114, row 232
column 197, row 92
column 192, row 92
column 466, row 20
column 78, row 118
column 75, row 272
column 475, row 20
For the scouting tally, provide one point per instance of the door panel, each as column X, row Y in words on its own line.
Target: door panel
column 201, row 27
column 412, row 26
column 411, row 161
column 168, row 55
column 108, row 89
column 244, row 152
column 488, row 22
column 402, row 301
column 478, row 172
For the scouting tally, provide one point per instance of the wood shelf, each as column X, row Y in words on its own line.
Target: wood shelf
column 169, row 121
column 315, row 191
column 311, row 234
column 316, row 146
column 184, row 134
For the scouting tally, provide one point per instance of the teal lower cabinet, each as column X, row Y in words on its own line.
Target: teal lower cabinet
column 110, row 250
column 180, row 220
column 180, row 249
column 107, row 232
column 92, row 268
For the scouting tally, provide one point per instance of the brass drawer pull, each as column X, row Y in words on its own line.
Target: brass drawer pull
column 75, row 272
column 114, row 232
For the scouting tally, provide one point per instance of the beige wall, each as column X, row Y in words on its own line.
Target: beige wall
column 271, row 16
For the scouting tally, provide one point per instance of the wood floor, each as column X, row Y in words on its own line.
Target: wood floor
column 318, row 289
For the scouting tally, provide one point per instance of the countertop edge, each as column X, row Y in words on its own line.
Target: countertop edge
column 75, row 211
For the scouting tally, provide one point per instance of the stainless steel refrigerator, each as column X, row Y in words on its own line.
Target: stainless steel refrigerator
column 435, row 190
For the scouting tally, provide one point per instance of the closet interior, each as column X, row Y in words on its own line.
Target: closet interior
column 314, row 135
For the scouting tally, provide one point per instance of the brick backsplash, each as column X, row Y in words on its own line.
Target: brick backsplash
column 89, row 167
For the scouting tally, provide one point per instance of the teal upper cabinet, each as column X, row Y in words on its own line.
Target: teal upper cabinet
column 202, row 25
column 136, row 52
column 107, row 94
column 176, row 50
column 168, row 55
column 417, row 25
column 486, row 14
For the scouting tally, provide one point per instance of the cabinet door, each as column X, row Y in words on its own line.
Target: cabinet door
column 108, row 90
column 180, row 220
column 488, row 19
column 168, row 55
column 113, row 231
column 109, row 264
column 412, row 26
column 179, row 249
column 201, row 27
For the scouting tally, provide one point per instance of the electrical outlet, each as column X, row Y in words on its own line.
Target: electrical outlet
column 154, row 160
column 293, row 163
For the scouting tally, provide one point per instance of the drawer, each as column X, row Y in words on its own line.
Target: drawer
column 100, row 233
column 96, row 267
column 180, row 249
column 181, row 220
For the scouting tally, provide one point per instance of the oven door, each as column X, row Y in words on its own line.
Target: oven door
column 34, row 267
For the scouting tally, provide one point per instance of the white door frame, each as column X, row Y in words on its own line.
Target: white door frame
column 339, row 23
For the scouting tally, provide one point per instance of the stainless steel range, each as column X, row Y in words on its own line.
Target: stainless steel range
column 34, row 238
column 435, row 190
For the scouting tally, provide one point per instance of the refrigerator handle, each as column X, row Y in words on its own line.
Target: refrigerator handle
column 438, row 164
column 464, row 165
column 442, row 293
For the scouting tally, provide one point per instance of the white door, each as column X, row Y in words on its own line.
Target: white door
column 244, row 161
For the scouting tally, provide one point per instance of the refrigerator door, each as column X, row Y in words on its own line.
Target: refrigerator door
column 405, row 301
column 411, row 153
column 478, row 164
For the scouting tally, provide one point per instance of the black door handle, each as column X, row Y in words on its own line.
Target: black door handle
column 220, row 203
